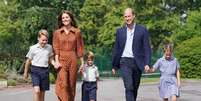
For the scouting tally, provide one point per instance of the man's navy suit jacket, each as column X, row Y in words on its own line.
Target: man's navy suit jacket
column 141, row 46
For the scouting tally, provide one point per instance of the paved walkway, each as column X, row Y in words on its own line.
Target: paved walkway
column 108, row 90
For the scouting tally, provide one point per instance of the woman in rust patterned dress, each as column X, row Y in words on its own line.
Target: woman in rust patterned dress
column 68, row 46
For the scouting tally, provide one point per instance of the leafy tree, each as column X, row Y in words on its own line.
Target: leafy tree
column 10, row 30
column 190, row 29
column 113, row 20
column 12, row 42
column 189, row 54
column 42, row 14
column 36, row 18
column 91, row 18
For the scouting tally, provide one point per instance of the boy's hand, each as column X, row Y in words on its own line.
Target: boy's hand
column 80, row 70
column 25, row 76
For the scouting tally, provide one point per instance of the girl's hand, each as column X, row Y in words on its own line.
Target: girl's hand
column 151, row 70
column 179, row 84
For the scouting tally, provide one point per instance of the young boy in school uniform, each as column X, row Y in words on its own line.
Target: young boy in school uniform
column 38, row 57
column 90, row 76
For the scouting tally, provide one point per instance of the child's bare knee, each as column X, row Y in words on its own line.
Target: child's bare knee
column 174, row 98
column 36, row 89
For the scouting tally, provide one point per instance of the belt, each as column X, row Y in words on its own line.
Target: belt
column 127, row 57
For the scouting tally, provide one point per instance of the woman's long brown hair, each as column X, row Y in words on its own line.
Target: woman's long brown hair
column 73, row 22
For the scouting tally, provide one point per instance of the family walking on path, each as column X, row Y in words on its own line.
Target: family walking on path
column 131, row 54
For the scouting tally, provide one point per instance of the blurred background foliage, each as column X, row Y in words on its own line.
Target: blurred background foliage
column 177, row 21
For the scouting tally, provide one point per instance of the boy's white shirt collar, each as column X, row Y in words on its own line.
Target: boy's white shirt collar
column 39, row 46
column 171, row 58
column 89, row 66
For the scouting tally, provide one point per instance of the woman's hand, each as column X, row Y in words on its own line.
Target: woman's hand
column 81, row 65
column 57, row 65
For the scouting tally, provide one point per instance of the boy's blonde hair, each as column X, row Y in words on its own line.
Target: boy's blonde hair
column 89, row 55
column 43, row 32
column 168, row 46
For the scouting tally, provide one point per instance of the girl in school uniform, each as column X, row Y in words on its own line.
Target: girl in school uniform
column 170, row 75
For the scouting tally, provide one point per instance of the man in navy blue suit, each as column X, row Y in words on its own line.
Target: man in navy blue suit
column 131, row 54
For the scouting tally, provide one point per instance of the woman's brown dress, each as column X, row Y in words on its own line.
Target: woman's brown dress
column 68, row 47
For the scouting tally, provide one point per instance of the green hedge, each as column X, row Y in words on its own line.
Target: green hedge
column 12, row 82
column 189, row 56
